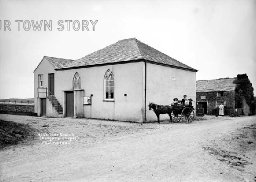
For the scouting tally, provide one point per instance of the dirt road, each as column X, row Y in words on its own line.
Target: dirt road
column 218, row 149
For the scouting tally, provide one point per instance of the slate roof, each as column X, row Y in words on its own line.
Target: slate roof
column 221, row 84
column 122, row 51
column 59, row 63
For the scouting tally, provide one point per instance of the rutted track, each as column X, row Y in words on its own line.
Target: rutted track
column 206, row 150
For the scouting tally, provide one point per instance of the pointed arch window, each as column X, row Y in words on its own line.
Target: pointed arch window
column 109, row 85
column 76, row 81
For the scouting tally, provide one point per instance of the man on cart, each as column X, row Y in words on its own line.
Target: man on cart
column 183, row 107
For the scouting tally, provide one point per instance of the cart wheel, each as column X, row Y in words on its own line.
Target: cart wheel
column 191, row 116
column 180, row 118
column 175, row 118
column 183, row 116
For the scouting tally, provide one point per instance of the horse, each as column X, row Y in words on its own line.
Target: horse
column 161, row 109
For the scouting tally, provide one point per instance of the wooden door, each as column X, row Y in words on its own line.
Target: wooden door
column 69, row 104
column 51, row 83
column 43, row 107
column 203, row 105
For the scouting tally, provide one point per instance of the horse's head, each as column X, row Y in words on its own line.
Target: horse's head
column 151, row 105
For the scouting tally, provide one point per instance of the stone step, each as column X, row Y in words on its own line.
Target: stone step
column 55, row 103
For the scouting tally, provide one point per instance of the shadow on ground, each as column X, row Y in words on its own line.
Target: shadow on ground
column 12, row 133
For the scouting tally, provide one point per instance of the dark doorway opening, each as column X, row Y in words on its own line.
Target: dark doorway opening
column 70, row 104
column 51, row 83
column 203, row 105
column 43, row 107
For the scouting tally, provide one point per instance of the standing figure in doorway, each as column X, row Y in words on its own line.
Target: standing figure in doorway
column 221, row 109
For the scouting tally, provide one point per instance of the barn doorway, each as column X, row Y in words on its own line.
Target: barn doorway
column 43, row 107
column 51, row 83
column 69, row 104
column 203, row 105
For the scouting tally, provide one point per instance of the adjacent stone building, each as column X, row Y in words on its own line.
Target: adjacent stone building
column 211, row 93
column 117, row 83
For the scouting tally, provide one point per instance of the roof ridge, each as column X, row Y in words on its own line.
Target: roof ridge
column 57, row 58
column 132, row 38
column 136, row 41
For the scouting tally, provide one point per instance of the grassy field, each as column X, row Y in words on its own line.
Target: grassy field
column 12, row 133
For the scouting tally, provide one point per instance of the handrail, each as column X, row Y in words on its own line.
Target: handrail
column 50, row 93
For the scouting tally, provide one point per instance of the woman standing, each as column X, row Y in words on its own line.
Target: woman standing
column 221, row 109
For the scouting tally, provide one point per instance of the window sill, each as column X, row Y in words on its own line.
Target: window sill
column 108, row 100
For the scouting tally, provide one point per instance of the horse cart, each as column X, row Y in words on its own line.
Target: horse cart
column 177, row 113
column 182, row 113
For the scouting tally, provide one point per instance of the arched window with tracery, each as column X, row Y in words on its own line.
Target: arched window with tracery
column 76, row 81
column 109, row 85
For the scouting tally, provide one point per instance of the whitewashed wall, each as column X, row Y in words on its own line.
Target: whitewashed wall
column 165, row 83
column 43, row 68
column 128, row 80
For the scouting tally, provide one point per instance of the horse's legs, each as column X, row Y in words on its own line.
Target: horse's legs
column 187, row 118
column 158, row 118
column 170, row 117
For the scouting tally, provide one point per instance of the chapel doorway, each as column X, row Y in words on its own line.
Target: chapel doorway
column 69, row 104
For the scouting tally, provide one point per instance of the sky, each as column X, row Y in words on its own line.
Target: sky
column 216, row 37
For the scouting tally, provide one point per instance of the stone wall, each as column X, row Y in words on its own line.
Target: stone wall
column 22, row 109
column 213, row 100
